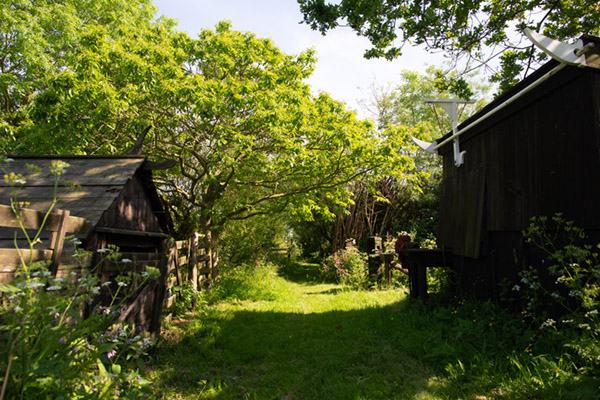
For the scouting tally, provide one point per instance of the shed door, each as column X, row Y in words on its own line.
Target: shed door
column 461, row 213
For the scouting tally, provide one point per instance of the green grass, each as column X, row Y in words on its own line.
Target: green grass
column 282, row 334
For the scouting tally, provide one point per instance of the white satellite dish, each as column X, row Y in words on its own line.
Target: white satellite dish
column 571, row 54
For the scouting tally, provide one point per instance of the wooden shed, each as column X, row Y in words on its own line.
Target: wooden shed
column 533, row 151
column 117, row 197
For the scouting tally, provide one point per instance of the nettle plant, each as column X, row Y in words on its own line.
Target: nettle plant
column 347, row 266
column 574, row 289
column 56, row 340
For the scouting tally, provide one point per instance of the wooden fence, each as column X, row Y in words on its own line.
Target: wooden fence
column 57, row 224
column 189, row 261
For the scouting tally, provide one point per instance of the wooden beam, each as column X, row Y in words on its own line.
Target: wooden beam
column 104, row 229
column 32, row 219
column 58, row 239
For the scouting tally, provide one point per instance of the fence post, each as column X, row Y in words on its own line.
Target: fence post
column 193, row 260
column 214, row 257
column 58, row 238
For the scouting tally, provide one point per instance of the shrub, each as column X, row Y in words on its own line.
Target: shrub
column 574, row 288
column 348, row 267
column 48, row 349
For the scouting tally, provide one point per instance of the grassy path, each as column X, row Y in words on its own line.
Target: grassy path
column 297, row 339
column 284, row 335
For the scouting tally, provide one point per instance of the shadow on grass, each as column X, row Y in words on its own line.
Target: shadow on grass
column 328, row 291
column 405, row 350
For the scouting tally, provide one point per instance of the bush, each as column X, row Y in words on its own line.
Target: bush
column 348, row 267
column 48, row 350
column 572, row 286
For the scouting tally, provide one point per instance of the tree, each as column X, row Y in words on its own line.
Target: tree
column 476, row 30
column 231, row 109
column 250, row 139
column 70, row 71
column 402, row 112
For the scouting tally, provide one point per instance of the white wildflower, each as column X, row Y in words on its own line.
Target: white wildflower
column 516, row 288
column 548, row 323
column 107, row 283
column 104, row 250
column 121, row 284
column 54, row 287
column 33, row 284
column 126, row 260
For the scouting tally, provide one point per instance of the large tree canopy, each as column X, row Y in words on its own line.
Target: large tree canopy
column 478, row 30
column 46, row 45
column 247, row 135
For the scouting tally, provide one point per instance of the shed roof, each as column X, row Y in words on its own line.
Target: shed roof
column 88, row 187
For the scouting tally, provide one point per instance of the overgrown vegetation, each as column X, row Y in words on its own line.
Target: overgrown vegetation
column 563, row 299
column 56, row 339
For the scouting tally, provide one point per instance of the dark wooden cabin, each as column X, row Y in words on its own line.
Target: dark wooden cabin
column 116, row 195
column 537, row 156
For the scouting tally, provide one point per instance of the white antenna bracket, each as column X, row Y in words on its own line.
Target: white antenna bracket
column 451, row 107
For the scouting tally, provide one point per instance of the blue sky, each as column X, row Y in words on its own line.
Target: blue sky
column 341, row 70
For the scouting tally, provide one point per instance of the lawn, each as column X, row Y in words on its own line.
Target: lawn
column 281, row 333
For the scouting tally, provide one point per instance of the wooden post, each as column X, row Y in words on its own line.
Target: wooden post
column 193, row 260
column 175, row 261
column 159, row 296
column 193, row 265
column 58, row 238
column 388, row 258
column 214, row 257
column 422, row 280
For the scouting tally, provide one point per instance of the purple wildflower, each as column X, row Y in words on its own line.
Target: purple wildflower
column 111, row 354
